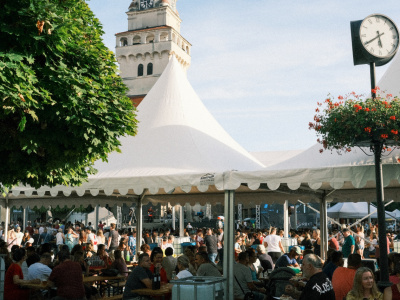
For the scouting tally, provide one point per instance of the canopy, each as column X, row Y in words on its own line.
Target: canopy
column 179, row 145
column 352, row 210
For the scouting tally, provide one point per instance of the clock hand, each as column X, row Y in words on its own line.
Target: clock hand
column 378, row 36
column 379, row 40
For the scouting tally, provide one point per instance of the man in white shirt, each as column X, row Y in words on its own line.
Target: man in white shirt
column 19, row 235
column 92, row 238
column 40, row 270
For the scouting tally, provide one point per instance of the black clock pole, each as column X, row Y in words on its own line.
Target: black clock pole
column 377, row 148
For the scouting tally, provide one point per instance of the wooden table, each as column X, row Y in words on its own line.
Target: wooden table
column 162, row 292
column 108, row 282
column 35, row 286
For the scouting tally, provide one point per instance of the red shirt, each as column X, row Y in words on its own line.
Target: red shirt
column 333, row 244
column 13, row 291
column 163, row 273
column 71, row 285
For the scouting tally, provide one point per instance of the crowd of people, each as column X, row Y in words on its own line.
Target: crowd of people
column 44, row 252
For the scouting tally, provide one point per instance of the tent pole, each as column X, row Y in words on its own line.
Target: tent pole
column 173, row 217
column 369, row 213
column 181, row 222
column 286, row 219
column 7, row 219
column 97, row 216
column 324, row 227
column 229, row 257
column 23, row 219
column 139, row 222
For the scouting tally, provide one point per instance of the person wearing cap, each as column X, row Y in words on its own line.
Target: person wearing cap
column 289, row 259
column 349, row 243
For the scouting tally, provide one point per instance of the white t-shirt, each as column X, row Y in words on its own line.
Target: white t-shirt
column 59, row 238
column 92, row 237
column 19, row 236
column 184, row 274
column 273, row 243
column 38, row 271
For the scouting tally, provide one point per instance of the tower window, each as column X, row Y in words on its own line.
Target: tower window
column 150, row 69
column 140, row 70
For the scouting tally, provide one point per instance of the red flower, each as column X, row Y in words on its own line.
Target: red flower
column 389, row 95
column 384, row 136
column 392, row 117
column 340, row 97
column 373, row 91
column 394, row 131
column 317, row 110
column 367, row 129
column 366, row 109
column 398, row 160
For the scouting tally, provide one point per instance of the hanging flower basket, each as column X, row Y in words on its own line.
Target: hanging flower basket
column 353, row 121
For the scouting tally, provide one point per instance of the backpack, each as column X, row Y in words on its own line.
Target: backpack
column 278, row 280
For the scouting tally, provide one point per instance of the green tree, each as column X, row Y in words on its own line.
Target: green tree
column 63, row 105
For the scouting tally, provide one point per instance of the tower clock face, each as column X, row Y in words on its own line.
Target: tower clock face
column 146, row 4
column 379, row 35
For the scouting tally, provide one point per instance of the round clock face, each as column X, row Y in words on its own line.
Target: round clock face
column 146, row 4
column 379, row 35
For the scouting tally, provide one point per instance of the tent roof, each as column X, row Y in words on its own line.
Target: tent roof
column 179, row 144
column 352, row 210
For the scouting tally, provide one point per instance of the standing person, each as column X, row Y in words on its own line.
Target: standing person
column 14, row 278
column 364, row 286
column 318, row 286
column 113, row 238
column 220, row 250
column 19, row 235
column 25, row 238
column 274, row 246
column 150, row 214
column 101, row 239
column 60, row 239
column 360, row 240
column 343, row 278
column 306, row 242
column 211, row 242
column 91, row 238
column 332, row 241
column 317, row 242
column 132, row 242
column 11, row 239
column 69, row 238
column 349, row 243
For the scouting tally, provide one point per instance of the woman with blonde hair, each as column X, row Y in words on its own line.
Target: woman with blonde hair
column 11, row 239
column 364, row 286
column 101, row 239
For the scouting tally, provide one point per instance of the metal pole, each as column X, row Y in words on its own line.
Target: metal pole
column 295, row 216
column 139, row 222
column 323, row 216
column 97, row 216
column 181, row 222
column 7, row 218
column 286, row 219
column 23, row 219
column 229, row 241
column 373, row 82
column 383, row 246
column 173, row 217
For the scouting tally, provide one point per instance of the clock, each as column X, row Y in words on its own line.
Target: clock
column 144, row 4
column 375, row 39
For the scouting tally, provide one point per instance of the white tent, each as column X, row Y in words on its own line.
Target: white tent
column 352, row 210
column 179, row 146
column 396, row 214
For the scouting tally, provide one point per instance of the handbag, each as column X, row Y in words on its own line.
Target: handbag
column 247, row 296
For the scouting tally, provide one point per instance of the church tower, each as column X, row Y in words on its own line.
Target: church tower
column 144, row 50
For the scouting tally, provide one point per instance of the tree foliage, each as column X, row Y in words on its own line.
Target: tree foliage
column 63, row 105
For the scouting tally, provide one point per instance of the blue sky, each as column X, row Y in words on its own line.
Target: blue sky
column 261, row 66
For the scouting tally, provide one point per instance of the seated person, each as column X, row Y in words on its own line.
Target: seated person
column 70, row 286
column 289, row 259
column 156, row 258
column 140, row 278
column 40, row 270
column 119, row 263
column 205, row 267
column 265, row 259
column 183, row 267
column 336, row 260
column 14, row 278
